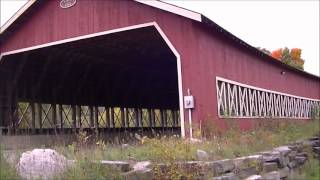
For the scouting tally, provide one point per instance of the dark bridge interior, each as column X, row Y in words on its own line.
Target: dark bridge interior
column 131, row 69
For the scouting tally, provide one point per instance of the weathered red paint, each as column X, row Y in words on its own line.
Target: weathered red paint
column 205, row 53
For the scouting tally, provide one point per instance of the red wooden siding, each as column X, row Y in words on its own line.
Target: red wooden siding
column 205, row 54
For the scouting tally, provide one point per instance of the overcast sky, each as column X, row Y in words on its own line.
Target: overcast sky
column 269, row 24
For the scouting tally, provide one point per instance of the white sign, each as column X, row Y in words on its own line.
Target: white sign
column 67, row 3
column 188, row 102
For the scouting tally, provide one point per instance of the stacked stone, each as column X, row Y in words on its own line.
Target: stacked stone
column 277, row 164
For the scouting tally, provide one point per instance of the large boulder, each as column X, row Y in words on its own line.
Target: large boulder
column 41, row 164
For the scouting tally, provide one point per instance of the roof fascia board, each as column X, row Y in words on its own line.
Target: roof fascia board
column 17, row 15
column 173, row 9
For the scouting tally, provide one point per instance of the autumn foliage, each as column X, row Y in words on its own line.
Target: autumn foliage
column 291, row 57
column 277, row 54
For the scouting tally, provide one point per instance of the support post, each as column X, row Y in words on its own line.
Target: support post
column 136, row 113
column 54, row 117
column 74, row 118
column 91, row 117
column 108, row 123
column 61, row 117
column 33, row 117
column 123, row 123
column 96, row 118
column 40, row 117
column 112, row 117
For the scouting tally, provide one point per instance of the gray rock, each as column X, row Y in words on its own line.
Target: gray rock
column 300, row 160
column 195, row 141
column 202, row 155
column 284, row 155
column 302, row 154
column 248, row 161
column 270, row 156
column 228, row 176
column 118, row 165
column 274, row 175
column 254, row 177
column 284, row 150
column 41, row 164
column 142, row 165
column 292, row 164
column 246, row 172
column 124, row 146
column 284, row 172
column 219, row 167
column 137, row 136
column 292, row 155
column 269, row 167
column 316, row 150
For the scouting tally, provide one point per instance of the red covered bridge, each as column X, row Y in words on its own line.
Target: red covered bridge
column 130, row 65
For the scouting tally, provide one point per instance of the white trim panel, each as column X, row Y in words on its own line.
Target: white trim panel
column 173, row 9
column 17, row 15
column 237, row 100
column 77, row 38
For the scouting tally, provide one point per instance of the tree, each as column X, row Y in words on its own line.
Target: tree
column 291, row 57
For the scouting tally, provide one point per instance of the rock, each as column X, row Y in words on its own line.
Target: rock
column 248, row 161
column 284, row 172
column 270, row 156
column 219, row 167
column 41, row 164
column 274, row 175
column 228, row 176
column 246, row 172
column 316, row 150
column 300, row 160
column 124, row 146
column 285, row 150
column 118, row 165
column 315, row 143
column 283, row 157
column 141, row 165
column 292, row 164
column 254, row 177
column 202, row 155
column 292, row 155
column 137, row 136
column 269, row 167
column 302, row 154
column 194, row 140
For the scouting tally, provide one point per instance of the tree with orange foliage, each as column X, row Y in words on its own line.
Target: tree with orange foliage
column 291, row 57
column 277, row 54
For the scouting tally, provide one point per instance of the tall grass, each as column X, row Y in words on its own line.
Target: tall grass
column 6, row 171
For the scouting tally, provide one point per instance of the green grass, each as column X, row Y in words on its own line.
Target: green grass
column 233, row 143
column 230, row 144
column 309, row 171
column 6, row 171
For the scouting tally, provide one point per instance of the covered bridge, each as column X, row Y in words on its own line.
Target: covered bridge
column 136, row 65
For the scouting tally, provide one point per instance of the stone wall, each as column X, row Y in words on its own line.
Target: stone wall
column 276, row 164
